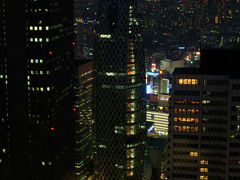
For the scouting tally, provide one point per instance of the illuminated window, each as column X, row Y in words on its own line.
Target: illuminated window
column 194, row 154
column 129, row 173
column 102, row 146
column 205, row 101
column 131, row 118
column 131, row 130
column 203, row 177
column 188, row 81
column 105, row 36
column 130, row 153
column 203, row 169
column 131, row 106
column 175, row 119
column 130, row 164
column 204, row 162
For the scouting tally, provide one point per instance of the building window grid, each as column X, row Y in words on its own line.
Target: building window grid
column 187, row 81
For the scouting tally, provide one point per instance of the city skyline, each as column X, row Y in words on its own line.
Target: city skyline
column 112, row 89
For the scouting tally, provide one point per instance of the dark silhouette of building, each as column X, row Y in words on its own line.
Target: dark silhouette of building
column 37, row 104
column 119, row 92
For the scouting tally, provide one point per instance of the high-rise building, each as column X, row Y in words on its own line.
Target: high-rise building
column 119, row 91
column 204, row 126
column 4, row 130
column 36, row 67
column 83, row 120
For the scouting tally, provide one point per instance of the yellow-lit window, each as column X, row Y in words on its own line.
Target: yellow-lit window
column 194, row 154
column 194, row 81
column 203, row 169
column 177, row 128
column 196, row 120
column 204, row 162
column 183, row 111
column 175, row 119
column 203, row 177
column 188, row 81
column 175, row 110
column 180, row 81
column 185, row 81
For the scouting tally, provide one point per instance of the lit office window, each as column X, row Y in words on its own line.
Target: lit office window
column 188, row 81
column 194, row 154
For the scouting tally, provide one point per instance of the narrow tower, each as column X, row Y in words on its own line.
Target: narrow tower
column 119, row 91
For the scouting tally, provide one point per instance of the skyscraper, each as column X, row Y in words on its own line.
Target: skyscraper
column 83, row 120
column 204, row 120
column 119, row 91
column 39, row 108
column 4, row 131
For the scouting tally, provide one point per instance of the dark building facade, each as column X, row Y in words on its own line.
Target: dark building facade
column 4, row 131
column 119, row 92
column 39, row 109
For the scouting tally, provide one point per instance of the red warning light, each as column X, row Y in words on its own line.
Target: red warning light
column 73, row 43
column 52, row 128
column 50, row 52
column 74, row 109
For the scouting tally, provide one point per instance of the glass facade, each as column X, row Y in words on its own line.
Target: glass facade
column 119, row 92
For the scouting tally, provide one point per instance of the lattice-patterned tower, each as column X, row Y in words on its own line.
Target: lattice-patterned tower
column 119, row 91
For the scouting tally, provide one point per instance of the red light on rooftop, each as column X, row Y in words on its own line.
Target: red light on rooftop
column 50, row 52
column 73, row 43
column 52, row 128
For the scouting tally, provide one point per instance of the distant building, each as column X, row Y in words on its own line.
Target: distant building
column 84, row 23
column 160, row 120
